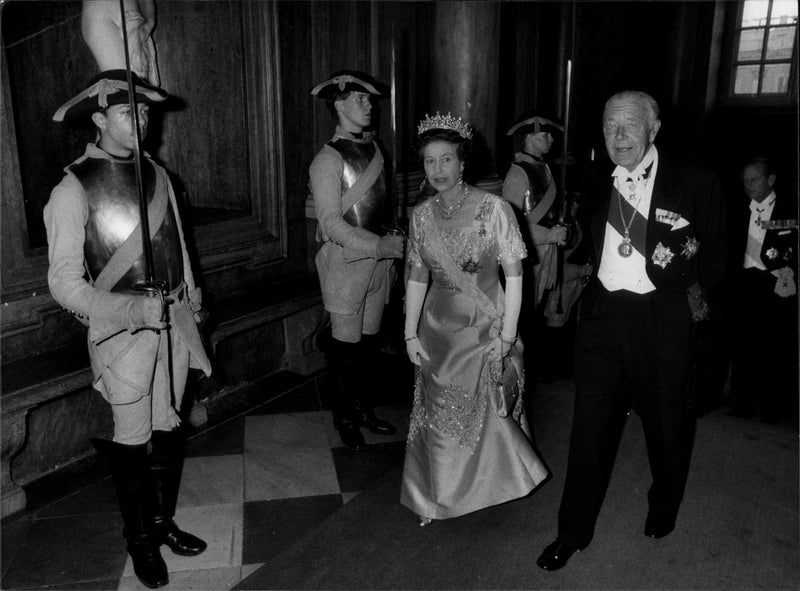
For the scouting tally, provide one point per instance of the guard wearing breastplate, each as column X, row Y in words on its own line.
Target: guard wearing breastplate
column 530, row 187
column 141, row 347
column 354, row 259
column 113, row 202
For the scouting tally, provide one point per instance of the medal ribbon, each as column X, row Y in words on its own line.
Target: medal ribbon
column 637, row 231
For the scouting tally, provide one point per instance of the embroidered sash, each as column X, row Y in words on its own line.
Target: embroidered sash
column 454, row 273
column 491, row 377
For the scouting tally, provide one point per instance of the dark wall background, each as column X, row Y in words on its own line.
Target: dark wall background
column 673, row 50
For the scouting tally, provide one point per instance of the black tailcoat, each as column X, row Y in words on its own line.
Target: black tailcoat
column 763, row 325
column 633, row 350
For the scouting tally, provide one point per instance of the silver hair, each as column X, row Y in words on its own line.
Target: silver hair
column 648, row 102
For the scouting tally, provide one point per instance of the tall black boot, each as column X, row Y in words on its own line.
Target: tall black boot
column 369, row 361
column 166, row 465
column 343, row 364
column 136, row 495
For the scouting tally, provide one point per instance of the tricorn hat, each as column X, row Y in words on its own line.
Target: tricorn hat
column 533, row 124
column 105, row 90
column 348, row 81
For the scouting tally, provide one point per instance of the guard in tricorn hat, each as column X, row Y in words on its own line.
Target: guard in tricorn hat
column 140, row 346
column 529, row 181
column 531, row 188
column 354, row 261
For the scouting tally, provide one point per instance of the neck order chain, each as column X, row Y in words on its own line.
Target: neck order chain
column 625, row 248
column 448, row 212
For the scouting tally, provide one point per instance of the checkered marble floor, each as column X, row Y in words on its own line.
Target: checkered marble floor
column 251, row 486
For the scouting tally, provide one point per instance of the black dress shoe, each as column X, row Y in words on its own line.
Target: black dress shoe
column 556, row 555
column 658, row 527
column 375, row 425
column 351, row 435
column 148, row 565
column 180, row 542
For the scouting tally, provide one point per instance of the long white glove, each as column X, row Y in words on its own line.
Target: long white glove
column 415, row 297
column 513, row 303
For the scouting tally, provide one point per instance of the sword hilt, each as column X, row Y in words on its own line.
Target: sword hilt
column 155, row 289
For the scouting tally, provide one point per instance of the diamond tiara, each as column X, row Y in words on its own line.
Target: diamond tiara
column 438, row 121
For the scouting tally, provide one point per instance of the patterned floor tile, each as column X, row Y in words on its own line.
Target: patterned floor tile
column 99, row 497
column 303, row 398
column 12, row 539
column 224, row 439
column 285, row 471
column 94, row 585
column 65, row 550
column 272, row 526
column 213, row 480
column 276, row 445
column 355, row 470
column 213, row 579
column 297, row 430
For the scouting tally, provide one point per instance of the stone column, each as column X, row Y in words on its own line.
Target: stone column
column 465, row 75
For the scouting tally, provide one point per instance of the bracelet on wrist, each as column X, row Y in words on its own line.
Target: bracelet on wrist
column 509, row 341
column 411, row 338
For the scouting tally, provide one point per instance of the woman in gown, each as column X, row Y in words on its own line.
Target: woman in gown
column 462, row 455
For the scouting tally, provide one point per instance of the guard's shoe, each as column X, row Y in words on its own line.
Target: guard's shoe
column 556, row 555
column 351, row 435
column 375, row 425
column 180, row 542
column 148, row 565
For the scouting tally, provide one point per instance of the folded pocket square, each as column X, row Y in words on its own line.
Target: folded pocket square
column 670, row 217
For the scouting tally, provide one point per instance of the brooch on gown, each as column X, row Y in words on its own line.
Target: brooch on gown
column 772, row 254
column 690, row 247
column 662, row 255
column 470, row 266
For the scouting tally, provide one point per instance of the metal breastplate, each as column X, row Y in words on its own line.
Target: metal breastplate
column 538, row 183
column 371, row 211
column 113, row 202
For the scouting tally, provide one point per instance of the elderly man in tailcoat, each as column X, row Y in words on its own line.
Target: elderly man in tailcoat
column 354, row 260
column 657, row 231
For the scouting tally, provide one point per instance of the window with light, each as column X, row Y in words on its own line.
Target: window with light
column 765, row 49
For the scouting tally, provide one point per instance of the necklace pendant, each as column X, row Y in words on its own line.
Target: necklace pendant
column 625, row 248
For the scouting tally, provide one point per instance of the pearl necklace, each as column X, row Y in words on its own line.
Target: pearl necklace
column 448, row 212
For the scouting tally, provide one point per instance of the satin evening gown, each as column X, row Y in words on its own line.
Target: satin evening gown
column 461, row 456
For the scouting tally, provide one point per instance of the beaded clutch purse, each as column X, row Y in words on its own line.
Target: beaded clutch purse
column 508, row 382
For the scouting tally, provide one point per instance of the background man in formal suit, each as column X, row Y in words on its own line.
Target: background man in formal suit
column 656, row 230
column 764, row 366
